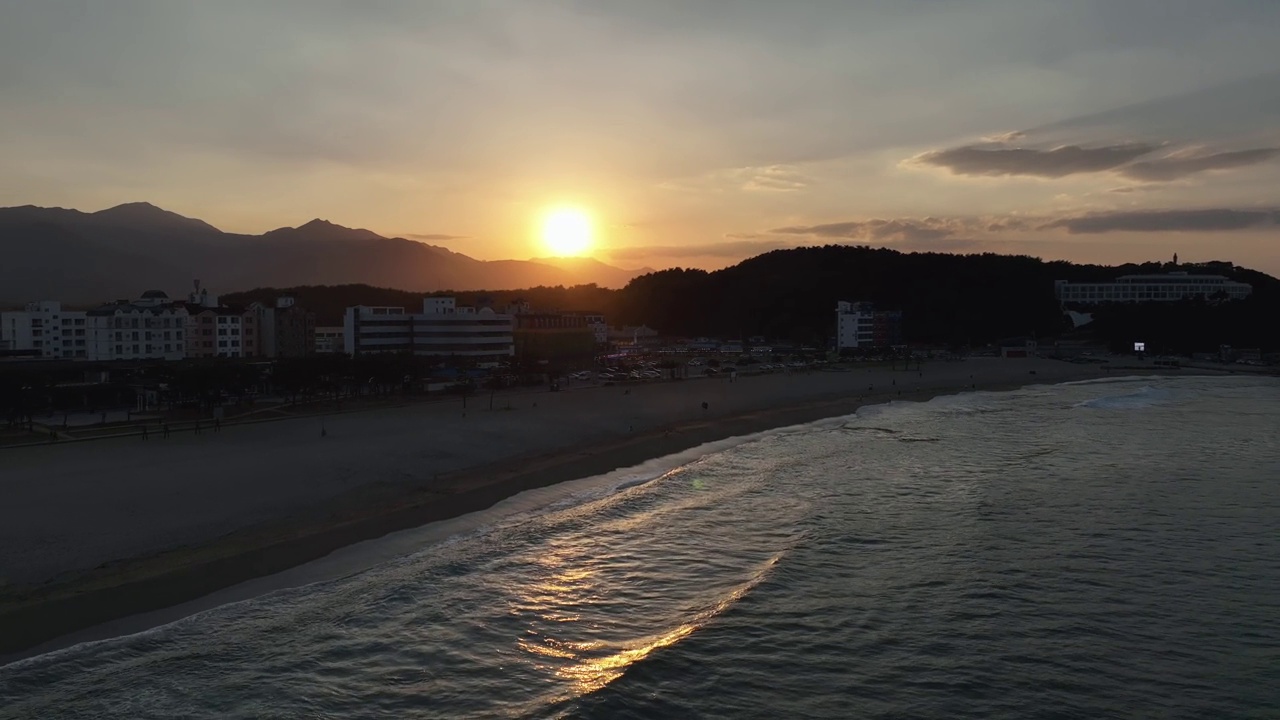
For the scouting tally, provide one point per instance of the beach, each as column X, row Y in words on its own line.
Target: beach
column 101, row 530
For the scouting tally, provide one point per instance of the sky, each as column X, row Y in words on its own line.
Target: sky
column 694, row 132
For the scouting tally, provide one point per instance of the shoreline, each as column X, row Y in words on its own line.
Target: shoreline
column 32, row 621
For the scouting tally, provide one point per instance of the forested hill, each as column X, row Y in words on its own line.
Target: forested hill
column 791, row 295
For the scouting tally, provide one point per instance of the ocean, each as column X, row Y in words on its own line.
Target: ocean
column 1087, row 550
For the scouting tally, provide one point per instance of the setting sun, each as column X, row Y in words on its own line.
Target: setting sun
column 566, row 232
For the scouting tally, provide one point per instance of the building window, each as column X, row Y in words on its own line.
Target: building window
column 135, row 336
column 222, row 343
column 119, row 349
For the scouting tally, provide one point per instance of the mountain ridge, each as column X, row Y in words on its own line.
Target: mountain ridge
column 87, row 257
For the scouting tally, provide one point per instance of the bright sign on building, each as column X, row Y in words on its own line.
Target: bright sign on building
column 1139, row 347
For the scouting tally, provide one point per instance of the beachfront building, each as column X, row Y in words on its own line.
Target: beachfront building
column 443, row 329
column 634, row 336
column 286, row 330
column 329, row 339
column 558, row 338
column 599, row 328
column 152, row 327
column 149, row 328
column 859, row 325
column 217, row 330
column 44, row 329
column 1151, row 288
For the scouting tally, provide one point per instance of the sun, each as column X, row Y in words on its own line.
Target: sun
column 566, row 232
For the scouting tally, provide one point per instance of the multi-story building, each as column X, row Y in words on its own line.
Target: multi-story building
column 554, row 337
column 216, row 330
column 1151, row 288
column 45, row 327
column 598, row 326
column 329, row 339
column 285, row 330
column 150, row 328
column 442, row 329
column 860, row 325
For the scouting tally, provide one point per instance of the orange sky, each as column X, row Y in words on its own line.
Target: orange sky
column 694, row 134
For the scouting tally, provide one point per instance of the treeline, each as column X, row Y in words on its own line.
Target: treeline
column 790, row 295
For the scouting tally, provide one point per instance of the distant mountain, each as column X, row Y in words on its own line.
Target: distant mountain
column 606, row 275
column 79, row 257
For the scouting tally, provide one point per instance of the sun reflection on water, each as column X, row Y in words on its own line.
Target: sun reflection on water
column 557, row 605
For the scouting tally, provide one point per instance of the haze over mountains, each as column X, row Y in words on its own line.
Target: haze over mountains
column 79, row 257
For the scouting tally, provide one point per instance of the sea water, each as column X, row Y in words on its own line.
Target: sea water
column 1098, row 549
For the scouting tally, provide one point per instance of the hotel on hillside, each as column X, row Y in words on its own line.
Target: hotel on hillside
column 1151, row 288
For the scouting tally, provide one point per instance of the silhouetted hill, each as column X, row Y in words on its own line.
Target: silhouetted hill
column 78, row 257
column 790, row 295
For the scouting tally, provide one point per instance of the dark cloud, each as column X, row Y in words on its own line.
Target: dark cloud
column 1176, row 167
column 1055, row 163
column 434, row 236
column 1219, row 219
column 829, row 230
column 906, row 230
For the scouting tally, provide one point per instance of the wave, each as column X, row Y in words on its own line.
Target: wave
column 1144, row 397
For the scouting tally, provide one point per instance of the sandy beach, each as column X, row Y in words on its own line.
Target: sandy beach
column 95, row 531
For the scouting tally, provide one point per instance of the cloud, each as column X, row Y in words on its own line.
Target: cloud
column 1179, row 166
column 1207, row 220
column 1058, row 162
column 765, row 178
column 774, row 178
column 734, row 249
column 434, row 236
column 1005, row 137
column 900, row 229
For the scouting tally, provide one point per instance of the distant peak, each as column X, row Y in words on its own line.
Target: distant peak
column 319, row 229
column 144, row 214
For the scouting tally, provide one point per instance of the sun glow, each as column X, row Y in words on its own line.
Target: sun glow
column 566, row 232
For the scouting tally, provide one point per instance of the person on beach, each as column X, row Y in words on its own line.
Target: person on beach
column 164, row 431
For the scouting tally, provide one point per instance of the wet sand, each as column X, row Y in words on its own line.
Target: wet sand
column 96, row 531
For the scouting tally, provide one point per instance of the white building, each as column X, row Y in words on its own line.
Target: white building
column 45, row 327
column 860, row 325
column 329, row 340
column 150, row 328
column 442, row 329
column 1151, row 288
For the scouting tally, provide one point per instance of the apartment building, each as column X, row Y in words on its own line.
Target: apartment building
column 285, row 330
column 149, row 328
column 152, row 327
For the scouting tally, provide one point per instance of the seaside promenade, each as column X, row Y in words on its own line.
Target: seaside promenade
column 131, row 525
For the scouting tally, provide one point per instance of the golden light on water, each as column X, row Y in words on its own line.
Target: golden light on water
column 567, row 232
column 590, row 664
